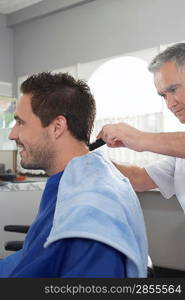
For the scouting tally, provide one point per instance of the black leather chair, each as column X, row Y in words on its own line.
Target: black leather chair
column 15, row 245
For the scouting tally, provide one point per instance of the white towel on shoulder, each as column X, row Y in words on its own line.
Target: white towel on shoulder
column 96, row 201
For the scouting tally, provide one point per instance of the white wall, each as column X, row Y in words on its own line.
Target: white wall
column 165, row 224
column 6, row 51
column 96, row 30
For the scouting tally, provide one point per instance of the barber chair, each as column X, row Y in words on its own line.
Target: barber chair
column 15, row 245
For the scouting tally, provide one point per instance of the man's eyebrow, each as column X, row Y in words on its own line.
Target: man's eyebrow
column 169, row 89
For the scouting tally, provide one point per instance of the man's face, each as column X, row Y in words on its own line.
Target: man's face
column 34, row 141
column 170, row 84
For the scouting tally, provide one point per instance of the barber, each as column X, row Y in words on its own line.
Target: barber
column 168, row 174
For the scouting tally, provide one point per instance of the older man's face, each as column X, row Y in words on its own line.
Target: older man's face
column 170, row 84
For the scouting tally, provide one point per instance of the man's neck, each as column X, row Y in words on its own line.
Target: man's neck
column 66, row 153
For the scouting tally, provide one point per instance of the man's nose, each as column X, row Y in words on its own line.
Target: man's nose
column 170, row 101
column 13, row 135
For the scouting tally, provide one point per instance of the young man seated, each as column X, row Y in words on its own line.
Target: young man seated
column 89, row 222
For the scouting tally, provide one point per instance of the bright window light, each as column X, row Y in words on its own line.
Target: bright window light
column 124, row 87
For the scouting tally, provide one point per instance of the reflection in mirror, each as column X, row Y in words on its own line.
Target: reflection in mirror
column 7, row 107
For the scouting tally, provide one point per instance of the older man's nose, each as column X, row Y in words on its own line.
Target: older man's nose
column 170, row 101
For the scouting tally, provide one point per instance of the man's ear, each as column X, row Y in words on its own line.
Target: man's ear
column 59, row 126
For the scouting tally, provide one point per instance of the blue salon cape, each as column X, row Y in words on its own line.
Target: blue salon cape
column 71, row 257
column 90, row 224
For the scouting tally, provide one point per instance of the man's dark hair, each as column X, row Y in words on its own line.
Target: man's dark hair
column 174, row 53
column 60, row 94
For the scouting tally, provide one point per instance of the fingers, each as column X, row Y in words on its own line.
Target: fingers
column 103, row 134
column 109, row 134
column 122, row 135
column 115, row 143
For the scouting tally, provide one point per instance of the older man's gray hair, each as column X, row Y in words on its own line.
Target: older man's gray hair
column 174, row 53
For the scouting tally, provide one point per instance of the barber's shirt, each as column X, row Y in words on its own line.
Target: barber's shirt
column 71, row 257
column 169, row 175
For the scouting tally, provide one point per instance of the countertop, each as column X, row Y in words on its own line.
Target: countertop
column 31, row 184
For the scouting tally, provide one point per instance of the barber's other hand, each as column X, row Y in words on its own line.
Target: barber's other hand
column 122, row 135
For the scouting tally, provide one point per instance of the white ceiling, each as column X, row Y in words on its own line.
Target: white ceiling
column 10, row 6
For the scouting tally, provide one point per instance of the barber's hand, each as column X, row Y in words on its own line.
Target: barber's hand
column 121, row 135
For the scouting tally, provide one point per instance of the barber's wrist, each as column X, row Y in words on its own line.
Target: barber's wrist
column 147, row 141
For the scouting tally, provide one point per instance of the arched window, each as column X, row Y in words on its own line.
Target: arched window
column 124, row 92
column 124, row 87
